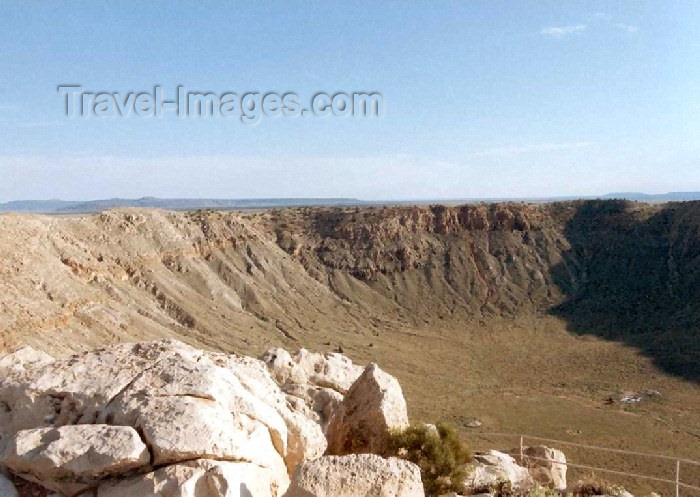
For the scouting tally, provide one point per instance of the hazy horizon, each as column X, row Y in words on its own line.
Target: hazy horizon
column 226, row 202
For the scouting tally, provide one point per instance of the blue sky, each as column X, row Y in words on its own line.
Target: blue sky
column 482, row 99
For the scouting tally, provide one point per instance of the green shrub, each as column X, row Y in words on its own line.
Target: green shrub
column 540, row 491
column 502, row 488
column 439, row 453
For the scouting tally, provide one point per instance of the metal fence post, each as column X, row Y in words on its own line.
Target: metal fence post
column 667, row 480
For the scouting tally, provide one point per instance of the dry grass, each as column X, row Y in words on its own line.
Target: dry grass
column 546, row 382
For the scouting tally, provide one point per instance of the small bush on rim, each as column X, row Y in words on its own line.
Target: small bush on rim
column 439, row 453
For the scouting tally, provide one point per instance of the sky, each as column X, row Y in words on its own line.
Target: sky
column 481, row 99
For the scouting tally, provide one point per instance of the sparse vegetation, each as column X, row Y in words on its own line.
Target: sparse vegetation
column 540, row 491
column 593, row 485
column 439, row 453
column 504, row 488
column 496, row 355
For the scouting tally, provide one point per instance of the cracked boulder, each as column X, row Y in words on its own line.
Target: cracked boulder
column 373, row 407
column 186, row 404
column 356, row 475
column 330, row 370
column 199, row 478
column 493, row 467
column 189, row 408
column 24, row 359
column 313, row 381
column 74, row 390
column 546, row 465
column 70, row 459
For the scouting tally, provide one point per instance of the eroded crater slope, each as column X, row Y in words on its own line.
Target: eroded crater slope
column 526, row 316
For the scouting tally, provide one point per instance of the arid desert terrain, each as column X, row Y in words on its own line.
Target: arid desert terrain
column 542, row 319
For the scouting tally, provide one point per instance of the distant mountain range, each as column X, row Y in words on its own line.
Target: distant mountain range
column 659, row 197
column 56, row 206
column 82, row 206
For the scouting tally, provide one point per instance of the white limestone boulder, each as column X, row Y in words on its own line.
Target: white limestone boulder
column 313, row 381
column 373, row 407
column 23, row 359
column 319, row 403
column 199, row 478
column 185, row 428
column 546, row 465
column 186, row 403
column 189, row 408
column 70, row 459
column 75, row 389
column 492, row 467
column 329, row 370
column 283, row 367
column 356, row 475
column 305, row 438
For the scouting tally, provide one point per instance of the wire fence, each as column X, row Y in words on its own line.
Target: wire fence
column 677, row 483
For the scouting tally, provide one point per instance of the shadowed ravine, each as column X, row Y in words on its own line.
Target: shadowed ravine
column 632, row 275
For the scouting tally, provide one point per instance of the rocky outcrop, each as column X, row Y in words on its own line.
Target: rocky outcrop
column 199, row 478
column 22, row 360
column 547, row 466
column 70, row 459
column 318, row 382
column 75, row 422
column 320, row 403
column 493, row 467
column 162, row 419
column 333, row 371
column 363, row 475
column 373, row 407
